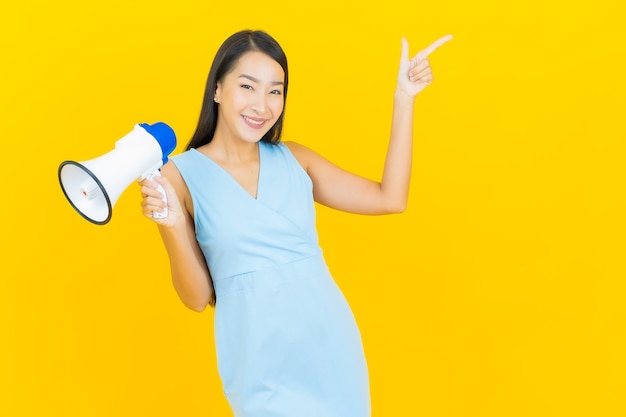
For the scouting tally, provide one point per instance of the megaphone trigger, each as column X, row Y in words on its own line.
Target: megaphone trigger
column 159, row 214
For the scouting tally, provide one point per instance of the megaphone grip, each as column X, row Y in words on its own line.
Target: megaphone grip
column 157, row 214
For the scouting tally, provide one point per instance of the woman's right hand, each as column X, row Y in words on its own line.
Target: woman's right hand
column 152, row 201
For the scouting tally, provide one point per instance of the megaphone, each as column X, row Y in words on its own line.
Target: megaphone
column 92, row 187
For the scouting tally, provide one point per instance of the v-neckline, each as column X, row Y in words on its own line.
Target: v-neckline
column 232, row 178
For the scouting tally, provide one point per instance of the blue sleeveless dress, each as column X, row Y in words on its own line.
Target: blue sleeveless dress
column 286, row 340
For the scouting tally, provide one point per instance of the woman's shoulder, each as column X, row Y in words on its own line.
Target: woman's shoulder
column 305, row 155
column 301, row 153
column 186, row 154
column 299, row 150
column 182, row 165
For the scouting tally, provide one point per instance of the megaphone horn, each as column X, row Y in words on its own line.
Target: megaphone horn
column 92, row 187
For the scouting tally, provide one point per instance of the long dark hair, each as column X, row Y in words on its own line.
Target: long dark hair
column 225, row 59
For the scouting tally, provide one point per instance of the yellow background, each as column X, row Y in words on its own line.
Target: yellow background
column 500, row 292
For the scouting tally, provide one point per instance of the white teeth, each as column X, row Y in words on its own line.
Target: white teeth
column 254, row 122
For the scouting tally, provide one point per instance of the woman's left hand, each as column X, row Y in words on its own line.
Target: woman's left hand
column 415, row 74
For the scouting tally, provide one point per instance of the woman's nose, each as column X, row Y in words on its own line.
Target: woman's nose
column 259, row 105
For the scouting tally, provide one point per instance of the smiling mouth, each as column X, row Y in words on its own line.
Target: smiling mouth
column 253, row 122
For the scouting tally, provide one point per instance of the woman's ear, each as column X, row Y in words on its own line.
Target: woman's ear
column 216, row 95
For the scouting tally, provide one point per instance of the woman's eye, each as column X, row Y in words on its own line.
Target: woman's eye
column 246, row 86
column 277, row 92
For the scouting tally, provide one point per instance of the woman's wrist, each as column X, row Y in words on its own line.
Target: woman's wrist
column 402, row 97
column 177, row 228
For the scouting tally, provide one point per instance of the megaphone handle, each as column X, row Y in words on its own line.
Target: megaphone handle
column 155, row 214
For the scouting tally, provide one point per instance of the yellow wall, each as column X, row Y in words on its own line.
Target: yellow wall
column 500, row 292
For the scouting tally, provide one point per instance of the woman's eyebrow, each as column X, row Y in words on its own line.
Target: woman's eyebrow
column 256, row 80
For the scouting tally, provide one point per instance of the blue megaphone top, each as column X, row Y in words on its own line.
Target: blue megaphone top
column 164, row 135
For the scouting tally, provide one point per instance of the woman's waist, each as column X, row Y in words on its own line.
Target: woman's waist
column 274, row 275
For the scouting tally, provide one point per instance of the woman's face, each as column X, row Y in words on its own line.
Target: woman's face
column 250, row 97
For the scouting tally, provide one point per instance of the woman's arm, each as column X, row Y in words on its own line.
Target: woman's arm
column 190, row 274
column 342, row 190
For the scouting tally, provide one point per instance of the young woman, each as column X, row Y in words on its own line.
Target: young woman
column 240, row 235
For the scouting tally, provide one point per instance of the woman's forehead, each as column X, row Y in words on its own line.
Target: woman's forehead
column 259, row 66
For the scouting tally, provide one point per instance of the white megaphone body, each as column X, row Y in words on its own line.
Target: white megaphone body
column 93, row 187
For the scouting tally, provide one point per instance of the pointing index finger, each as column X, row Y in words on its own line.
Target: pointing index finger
column 433, row 46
